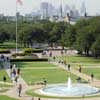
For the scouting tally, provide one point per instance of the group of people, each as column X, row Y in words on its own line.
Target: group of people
column 14, row 73
column 4, row 61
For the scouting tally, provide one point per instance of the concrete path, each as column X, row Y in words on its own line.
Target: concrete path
column 95, row 82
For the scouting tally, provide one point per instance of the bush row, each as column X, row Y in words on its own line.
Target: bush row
column 18, row 54
column 30, row 50
column 4, row 51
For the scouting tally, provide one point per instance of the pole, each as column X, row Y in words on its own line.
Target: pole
column 16, row 29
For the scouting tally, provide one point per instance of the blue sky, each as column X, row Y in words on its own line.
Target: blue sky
column 9, row 6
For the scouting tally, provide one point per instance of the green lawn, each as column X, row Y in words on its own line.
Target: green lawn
column 95, row 71
column 33, row 64
column 52, row 75
column 3, row 73
column 33, row 72
column 2, row 97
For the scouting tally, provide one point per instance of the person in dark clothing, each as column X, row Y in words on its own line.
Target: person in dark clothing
column 16, row 79
column 45, row 81
column 68, row 67
column 92, row 77
column 19, row 90
column 38, row 98
column 4, row 78
column 18, row 71
column 80, row 69
column 50, row 54
column 11, row 67
column 14, row 72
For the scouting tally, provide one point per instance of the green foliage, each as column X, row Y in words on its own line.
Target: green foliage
column 4, row 51
column 96, row 47
column 32, row 50
column 82, row 36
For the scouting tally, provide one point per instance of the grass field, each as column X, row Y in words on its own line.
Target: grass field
column 52, row 75
column 3, row 73
column 2, row 97
column 33, row 64
column 33, row 72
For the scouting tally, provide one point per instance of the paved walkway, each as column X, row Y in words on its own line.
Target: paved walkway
column 95, row 82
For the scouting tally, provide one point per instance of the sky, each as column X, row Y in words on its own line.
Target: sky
column 8, row 7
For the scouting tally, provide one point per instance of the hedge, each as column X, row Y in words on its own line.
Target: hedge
column 31, row 50
column 28, row 60
column 18, row 54
column 4, row 51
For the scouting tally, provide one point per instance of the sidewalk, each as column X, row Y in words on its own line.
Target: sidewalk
column 95, row 82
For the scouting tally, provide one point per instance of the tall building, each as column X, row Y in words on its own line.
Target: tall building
column 83, row 9
column 44, row 9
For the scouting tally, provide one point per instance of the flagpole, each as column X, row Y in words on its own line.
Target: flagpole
column 16, row 29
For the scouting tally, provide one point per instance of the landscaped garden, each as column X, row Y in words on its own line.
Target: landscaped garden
column 33, row 72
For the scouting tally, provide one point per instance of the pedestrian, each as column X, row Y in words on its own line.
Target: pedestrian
column 50, row 55
column 18, row 71
column 33, row 98
column 14, row 72
column 45, row 81
column 80, row 69
column 65, row 63
column 92, row 77
column 19, row 90
column 68, row 67
column 16, row 79
column 4, row 78
column 61, row 52
column 11, row 67
column 54, row 58
column 38, row 98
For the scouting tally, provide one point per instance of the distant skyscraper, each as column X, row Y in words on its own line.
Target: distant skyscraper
column 83, row 9
column 44, row 8
column 66, row 9
column 74, row 12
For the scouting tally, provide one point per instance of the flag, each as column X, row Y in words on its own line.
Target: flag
column 20, row 2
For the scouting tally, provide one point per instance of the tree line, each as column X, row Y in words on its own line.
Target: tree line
column 83, row 36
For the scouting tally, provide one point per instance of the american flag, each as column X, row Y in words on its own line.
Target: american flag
column 20, row 2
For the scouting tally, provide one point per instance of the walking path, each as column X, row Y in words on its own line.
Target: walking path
column 95, row 82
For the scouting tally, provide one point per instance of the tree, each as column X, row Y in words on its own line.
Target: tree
column 96, row 48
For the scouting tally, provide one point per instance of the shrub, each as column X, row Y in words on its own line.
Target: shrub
column 18, row 54
column 4, row 51
column 30, row 50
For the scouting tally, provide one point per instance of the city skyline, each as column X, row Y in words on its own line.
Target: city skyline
column 8, row 7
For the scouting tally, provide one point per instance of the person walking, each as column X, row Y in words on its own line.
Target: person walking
column 38, row 98
column 80, row 69
column 92, row 77
column 4, row 78
column 18, row 71
column 68, row 67
column 19, row 90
